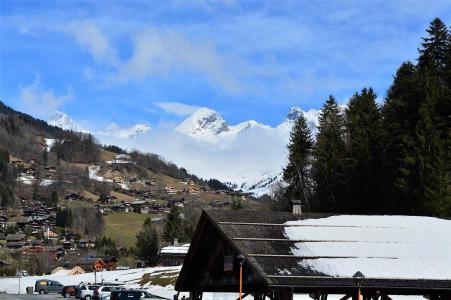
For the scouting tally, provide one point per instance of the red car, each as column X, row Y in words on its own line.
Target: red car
column 69, row 290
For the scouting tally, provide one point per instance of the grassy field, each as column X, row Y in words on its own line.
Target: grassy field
column 123, row 227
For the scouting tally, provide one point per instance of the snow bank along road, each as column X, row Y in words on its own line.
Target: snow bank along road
column 133, row 278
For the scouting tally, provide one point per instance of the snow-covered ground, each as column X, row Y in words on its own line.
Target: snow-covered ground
column 26, row 179
column 49, row 143
column 93, row 170
column 132, row 279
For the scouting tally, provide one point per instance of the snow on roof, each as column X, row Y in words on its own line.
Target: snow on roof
column 182, row 249
column 404, row 247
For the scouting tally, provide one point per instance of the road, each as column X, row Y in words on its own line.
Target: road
column 32, row 297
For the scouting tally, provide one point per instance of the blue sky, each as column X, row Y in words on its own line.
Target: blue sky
column 153, row 62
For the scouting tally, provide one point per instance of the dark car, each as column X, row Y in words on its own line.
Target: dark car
column 69, row 290
column 132, row 295
column 45, row 286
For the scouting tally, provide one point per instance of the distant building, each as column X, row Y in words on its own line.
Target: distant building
column 173, row 255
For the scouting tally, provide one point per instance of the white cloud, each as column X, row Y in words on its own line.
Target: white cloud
column 177, row 108
column 92, row 40
column 162, row 51
column 113, row 130
column 39, row 102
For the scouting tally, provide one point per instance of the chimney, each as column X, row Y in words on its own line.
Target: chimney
column 176, row 242
column 297, row 209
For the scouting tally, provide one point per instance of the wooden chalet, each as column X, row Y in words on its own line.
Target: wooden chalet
column 88, row 264
column 286, row 253
column 72, row 196
column 173, row 255
column 110, row 261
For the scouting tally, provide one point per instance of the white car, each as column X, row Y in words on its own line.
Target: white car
column 86, row 292
column 104, row 291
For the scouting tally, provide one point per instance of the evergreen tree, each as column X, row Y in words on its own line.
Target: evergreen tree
column 330, row 159
column 364, row 151
column 434, row 51
column 53, row 199
column 297, row 171
column 173, row 228
column 434, row 136
column 401, row 158
column 147, row 244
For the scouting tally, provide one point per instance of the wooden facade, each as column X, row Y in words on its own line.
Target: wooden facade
column 212, row 265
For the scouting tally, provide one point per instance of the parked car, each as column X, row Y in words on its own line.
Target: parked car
column 69, row 290
column 103, row 291
column 104, row 295
column 45, row 286
column 132, row 295
column 86, row 292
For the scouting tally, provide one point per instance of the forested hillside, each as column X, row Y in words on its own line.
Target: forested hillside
column 381, row 158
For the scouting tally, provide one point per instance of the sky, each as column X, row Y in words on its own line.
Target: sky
column 118, row 66
column 155, row 62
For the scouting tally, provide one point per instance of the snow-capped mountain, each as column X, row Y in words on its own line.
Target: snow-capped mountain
column 114, row 130
column 62, row 120
column 295, row 112
column 206, row 125
column 249, row 156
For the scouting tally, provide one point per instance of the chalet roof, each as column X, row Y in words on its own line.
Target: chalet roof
column 177, row 250
column 406, row 252
column 14, row 237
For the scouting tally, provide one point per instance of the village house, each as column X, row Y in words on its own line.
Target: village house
column 87, row 243
column 50, row 235
column 32, row 161
column 170, row 190
column 118, row 179
column 188, row 182
column 176, row 202
column 30, row 171
column 173, row 255
column 191, row 191
column 17, row 163
column 72, row 196
column 88, row 264
column 110, row 261
column 16, row 237
column 50, row 169
column 74, row 271
column 3, row 221
column 123, row 207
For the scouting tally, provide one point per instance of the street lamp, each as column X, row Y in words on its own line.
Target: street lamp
column 241, row 260
column 358, row 278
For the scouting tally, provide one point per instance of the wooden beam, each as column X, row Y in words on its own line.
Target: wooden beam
column 345, row 297
column 300, row 225
column 257, row 239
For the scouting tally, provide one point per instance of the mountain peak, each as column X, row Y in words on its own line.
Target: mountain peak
column 294, row 113
column 62, row 120
column 203, row 121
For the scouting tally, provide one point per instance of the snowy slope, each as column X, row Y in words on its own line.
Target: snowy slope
column 114, row 130
column 203, row 123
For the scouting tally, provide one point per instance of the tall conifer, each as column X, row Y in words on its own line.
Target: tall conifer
column 330, row 159
column 296, row 173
